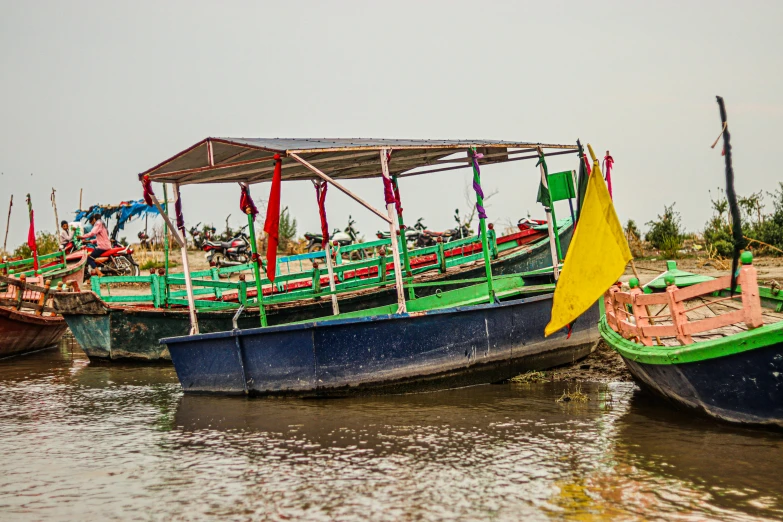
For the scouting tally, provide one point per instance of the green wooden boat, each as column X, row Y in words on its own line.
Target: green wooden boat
column 702, row 348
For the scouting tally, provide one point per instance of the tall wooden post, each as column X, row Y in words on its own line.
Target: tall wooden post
column 251, row 227
column 56, row 217
column 186, row 270
column 482, row 225
column 403, row 240
column 8, row 223
column 32, row 225
column 554, row 236
column 330, row 271
column 401, row 308
column 166, row 240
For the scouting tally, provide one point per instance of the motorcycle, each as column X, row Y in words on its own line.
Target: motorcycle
column 348, row 236
column 411, row 234
column 429, row 238
column 118, row 260
column 235, row 251
column 200, row 236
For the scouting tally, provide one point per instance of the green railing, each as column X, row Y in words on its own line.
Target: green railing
column 211, row 292
column 25, row 266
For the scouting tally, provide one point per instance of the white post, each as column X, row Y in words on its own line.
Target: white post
column 330, row 270
column 401, row 309
column 550, row 228
column 186, row 269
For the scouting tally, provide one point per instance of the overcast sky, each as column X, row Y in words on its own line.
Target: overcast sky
column 95, row 92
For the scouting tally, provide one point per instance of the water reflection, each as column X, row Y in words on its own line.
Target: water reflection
column 86, row 441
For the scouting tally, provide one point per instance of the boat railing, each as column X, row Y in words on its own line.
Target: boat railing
column 32, row 294
column 629, row 313
column 47, row 263
column 160, row 289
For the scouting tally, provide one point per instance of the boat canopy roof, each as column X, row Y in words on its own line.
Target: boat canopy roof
column 251, row 160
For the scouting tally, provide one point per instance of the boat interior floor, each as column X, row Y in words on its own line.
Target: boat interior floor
column 709, row 306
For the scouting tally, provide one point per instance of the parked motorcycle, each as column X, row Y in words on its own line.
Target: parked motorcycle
column 412, row 234
column 348, row 236
column 235, row 251
column 429, row 237
column 201, row 235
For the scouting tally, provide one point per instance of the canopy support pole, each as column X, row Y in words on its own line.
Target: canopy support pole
column 330, row 271
column 165, row 216
column 554, row 238
column 320, row 197
column 347, row 192
column 404, row 237
column 401, row 308
column 256, row 272
column 185, row 268
column 166, row 244
column 482, row 226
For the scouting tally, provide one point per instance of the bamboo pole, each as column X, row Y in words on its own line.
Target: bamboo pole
column 56, row 217
column 401, row 307
column 30, row 214
column 8, row 223
column 81, row 190
column 401, row 223
column 554, row 236
column 330, row 271
column 166, row 242
column 185, row 269
column 251, row 228
column 483, row 227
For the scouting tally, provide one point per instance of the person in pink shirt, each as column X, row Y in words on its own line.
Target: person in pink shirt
column 101, row 236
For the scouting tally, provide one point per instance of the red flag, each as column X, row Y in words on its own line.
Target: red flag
column 272, row 223
column 31, row 241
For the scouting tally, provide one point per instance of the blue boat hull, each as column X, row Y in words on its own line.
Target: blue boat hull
column 745, row 388
column 384, row 354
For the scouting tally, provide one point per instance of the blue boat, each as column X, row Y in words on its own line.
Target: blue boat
column 487, row 329
column 396, row 353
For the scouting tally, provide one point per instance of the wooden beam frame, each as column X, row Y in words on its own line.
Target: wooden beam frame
column 341, row 188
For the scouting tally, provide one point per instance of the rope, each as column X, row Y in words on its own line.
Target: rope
column 320, row 196
column 475, row 156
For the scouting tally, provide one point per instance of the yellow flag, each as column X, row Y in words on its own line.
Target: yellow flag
column 596, row 257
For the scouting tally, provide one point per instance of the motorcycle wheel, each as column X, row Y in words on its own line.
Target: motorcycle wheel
column 217, row 259
column 125, row 265
column 315, row 248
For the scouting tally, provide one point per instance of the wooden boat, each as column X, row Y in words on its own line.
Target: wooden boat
column 27, row 322
column 113, row 328
column 480, row 330
column 718, row 354
column 379, row 351
column 55, row 267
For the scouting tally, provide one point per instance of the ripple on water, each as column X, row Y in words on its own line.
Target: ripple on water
column 122, row 442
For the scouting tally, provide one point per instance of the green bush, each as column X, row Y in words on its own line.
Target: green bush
column 287, row 229
column 46, row 243
column 666, row 233
column 756, row 224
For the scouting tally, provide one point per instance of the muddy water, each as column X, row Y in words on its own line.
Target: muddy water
column 81, row 441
